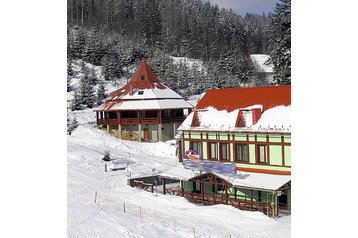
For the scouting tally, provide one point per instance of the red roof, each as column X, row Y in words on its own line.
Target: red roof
column 144, row 78
column 233, row 98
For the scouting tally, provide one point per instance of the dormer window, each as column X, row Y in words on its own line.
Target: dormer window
column 240, row 121
column 142, row 77
column 195, row 122
column 140, row 92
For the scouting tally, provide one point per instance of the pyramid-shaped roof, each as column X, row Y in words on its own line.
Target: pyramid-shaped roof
column 143, row 91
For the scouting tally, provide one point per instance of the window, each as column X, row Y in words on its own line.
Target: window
column 140, row 92
column 197, row 146
column 212, row 151
column 241, row 152
column 224, row 155
column 262, row 154
column 142, row 77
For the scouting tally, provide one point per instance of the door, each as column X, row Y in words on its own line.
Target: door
column 146, row 133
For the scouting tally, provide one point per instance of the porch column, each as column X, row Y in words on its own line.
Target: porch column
column 139, row 127
column 251, row 201
column 182, row 188
column 235, row 191
column 119, row 125
column 164, row 186
column 202, row 191
column 107, row 121
column 174, row 128
column 159, row 116
column 226, row 196
column 97, row 118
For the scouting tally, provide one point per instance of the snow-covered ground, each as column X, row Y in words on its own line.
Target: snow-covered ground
column 96, row 198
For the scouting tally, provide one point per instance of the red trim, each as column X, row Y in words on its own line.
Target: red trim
column 264, row 171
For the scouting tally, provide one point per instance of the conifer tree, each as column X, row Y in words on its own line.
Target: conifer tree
column 279, row 34
column 76, row 102
column 87, row 96
column 101, row 93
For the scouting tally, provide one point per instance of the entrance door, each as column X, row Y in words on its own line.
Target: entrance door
column 146, row 133
column 282, row 200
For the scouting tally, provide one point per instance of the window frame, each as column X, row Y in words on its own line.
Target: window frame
column 210, row 151
column 221, row 152
column 247, row 159
column 266, row 154
column 201, row 147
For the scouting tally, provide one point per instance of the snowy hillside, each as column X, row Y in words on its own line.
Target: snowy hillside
column 96, row 198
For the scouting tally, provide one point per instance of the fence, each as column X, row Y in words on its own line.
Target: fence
column 157, row 216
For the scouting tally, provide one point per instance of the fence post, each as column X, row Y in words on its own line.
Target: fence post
column 124, row 207
column 95, row 197
column 140, row 212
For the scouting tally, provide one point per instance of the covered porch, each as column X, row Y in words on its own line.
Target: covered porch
column 238, row 191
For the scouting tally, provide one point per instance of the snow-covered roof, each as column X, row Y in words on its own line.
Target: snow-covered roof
column 151, row 104
column 144, row 91
column 264, row 109
column 248, row 180
column 274, row 119
column 259, row 61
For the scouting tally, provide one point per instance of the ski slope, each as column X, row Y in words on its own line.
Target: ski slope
column 96, row 199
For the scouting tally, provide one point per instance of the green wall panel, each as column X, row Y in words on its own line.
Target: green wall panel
column 288, row 155
column 287, row 139
column 240, row 137
column 274, row 139
column 252, row 154
column 186, row 145
column 275, row 155
column 188, row 186
column 186, row 135
column 261, row 138
column 196, row 135
column 212, row 136
column 231, row 152
column 223, row 136
column 251, row 138
column 205, row 151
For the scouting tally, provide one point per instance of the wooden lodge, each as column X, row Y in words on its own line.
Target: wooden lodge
column 143, row 110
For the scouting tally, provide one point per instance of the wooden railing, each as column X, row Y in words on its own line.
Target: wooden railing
column 145, row 186
column 108, row 121
column 126, row 121
column 219, row 198
column 149, row 120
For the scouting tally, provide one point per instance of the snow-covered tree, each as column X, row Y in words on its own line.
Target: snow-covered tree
column 76, row 103
column 87, row 95
column 101, row 93
column 279, row 35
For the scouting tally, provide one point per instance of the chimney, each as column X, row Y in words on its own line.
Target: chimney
column 256, row 114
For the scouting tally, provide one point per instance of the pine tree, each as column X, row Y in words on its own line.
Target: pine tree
column 87, row 96
column 76, row 102
column 101, row 93
column 72, row 126
column 279, row 34
column 68, row 84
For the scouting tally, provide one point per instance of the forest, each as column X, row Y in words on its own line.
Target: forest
column 117, row 34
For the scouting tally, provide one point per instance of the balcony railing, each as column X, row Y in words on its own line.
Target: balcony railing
column 148, row 120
